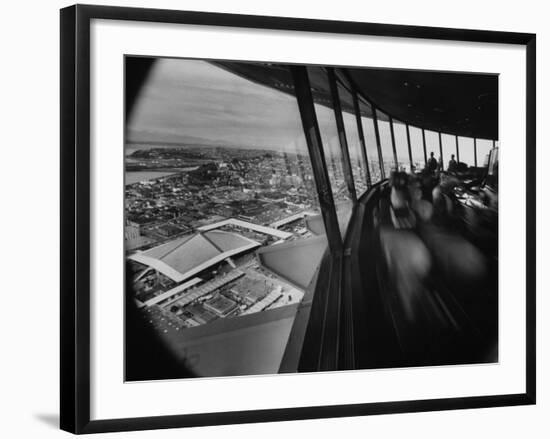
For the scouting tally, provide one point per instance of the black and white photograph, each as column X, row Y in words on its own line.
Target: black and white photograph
column 289, row 218
column 282, row 219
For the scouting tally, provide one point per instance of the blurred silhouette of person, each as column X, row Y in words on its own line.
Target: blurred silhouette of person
column 452, row 164
column 442, row 196
column 455, row 258
column 432, row 163
column 408, row 261
column 427, row 182
column 401, row 214
column 458, row 260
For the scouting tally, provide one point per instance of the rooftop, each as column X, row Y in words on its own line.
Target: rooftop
column 247, row 225
column 295, row 261
column 184, row 257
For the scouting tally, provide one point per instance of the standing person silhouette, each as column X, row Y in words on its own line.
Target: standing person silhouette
column 452, row 164
column 432, row 163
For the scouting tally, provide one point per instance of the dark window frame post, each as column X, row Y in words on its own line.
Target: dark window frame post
column 318, row 164
column 424, row 145
column 475, row 152
column 457, row 150
column 441, row 151
column 361, row 136
column 378, row 144
column 409, row 147
column 346, row 162
column 394, row 149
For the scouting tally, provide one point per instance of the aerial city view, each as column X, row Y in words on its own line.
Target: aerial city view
column 217, row 174
column 194, row 219
column 224, row 233
column 222, row 218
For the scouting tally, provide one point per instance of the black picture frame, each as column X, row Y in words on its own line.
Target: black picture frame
column 75, row 217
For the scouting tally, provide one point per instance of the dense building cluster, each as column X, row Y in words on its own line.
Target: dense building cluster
column 254, row 196
column 255, row 185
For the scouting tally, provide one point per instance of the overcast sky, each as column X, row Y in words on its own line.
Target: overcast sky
column 185, row 99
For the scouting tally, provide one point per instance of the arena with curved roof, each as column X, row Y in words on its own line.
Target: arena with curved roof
column 185, row 257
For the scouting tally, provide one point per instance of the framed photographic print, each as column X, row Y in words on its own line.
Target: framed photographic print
column 268, row 218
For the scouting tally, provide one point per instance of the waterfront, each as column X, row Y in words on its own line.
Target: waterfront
column 132, row 177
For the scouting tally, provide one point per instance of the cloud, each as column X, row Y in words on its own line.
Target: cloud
column 197, row 99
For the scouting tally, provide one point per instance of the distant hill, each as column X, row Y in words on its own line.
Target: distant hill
column 177, row 140
column 144, row 139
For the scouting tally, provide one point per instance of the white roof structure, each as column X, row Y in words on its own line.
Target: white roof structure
column 172, row 292
column 291, row 218
column 246, row 225
column 185, row 257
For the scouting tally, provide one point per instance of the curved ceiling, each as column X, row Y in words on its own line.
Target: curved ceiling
column 464, row 104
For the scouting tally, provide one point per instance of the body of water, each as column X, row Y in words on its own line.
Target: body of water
column 137, row 176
